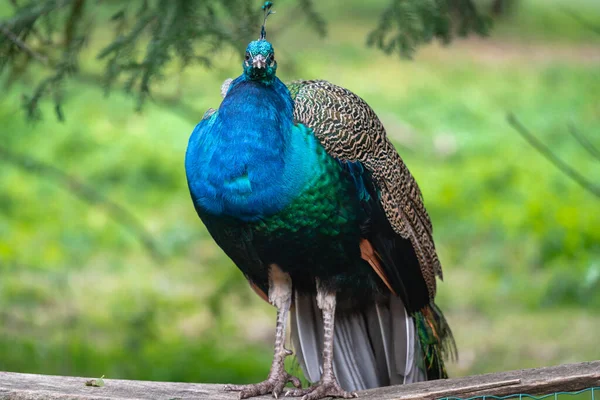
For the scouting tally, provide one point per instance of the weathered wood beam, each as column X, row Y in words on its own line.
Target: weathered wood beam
column 568, row 377
column 537, row 381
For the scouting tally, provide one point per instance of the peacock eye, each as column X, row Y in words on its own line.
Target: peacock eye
column 247, row 57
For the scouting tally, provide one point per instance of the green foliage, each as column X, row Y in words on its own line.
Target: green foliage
column 408, row 24
column 313, row 17
column 187, row 31
column 149, row 35
column 15, row 52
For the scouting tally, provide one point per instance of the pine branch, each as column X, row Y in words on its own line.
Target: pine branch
column 550, row 156
column 53, row 85
column 27, row 16
column 22, row 45
column 502, row 7
column 173, row 26
column 74, row 18
column 469, row 18
column 406, row 24
column 172, row 102
column 87, row 194
column 152, row 34
column 19, row 28
column 314, row 18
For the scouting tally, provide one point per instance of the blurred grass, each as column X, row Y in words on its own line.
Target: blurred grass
column 519, row 242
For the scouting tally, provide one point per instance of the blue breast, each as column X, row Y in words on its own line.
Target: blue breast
column 248, row 160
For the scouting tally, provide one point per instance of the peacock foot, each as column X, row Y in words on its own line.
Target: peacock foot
column 326, row 388
column 274, row 385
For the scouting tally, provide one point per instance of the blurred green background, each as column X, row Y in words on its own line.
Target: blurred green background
column 519, row 241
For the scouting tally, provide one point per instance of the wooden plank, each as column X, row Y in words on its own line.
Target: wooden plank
column 568, row 377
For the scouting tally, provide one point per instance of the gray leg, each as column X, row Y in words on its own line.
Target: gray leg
column 280, row 295
column 328, row 385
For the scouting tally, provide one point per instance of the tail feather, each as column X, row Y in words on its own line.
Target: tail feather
column 436, row 340
column 404, row 340
column 307, row 328
column 375, row 348
column 383, row 330
column 353, row 354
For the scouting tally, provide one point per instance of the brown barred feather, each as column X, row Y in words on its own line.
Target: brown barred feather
column 367, row 253
column 350, row 130
column 258, row 291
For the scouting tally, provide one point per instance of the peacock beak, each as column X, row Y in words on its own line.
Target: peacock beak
column 259, row 61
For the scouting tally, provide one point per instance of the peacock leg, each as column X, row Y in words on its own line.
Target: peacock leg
column 328, row 385
column 280, row 295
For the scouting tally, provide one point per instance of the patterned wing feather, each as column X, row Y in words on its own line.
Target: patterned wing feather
column 350, row 130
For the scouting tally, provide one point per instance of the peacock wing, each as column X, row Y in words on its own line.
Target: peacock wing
column 350, row 131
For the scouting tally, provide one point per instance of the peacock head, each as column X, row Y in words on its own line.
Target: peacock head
column 259, row 62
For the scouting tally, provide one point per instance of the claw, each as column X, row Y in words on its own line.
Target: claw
column 274, row 385
column 322, row 390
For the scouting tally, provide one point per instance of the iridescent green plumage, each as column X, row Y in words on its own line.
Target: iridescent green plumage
column 315, row 235
column 436, row 340
column 349, row 129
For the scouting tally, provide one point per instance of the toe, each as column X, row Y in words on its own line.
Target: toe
column 297, row 392
column 327, row 390
column 295, row 381
column 278, row 388
column 256, row 390
column 234, row 388
column 273, row 385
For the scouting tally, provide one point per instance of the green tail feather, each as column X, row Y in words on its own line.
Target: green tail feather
column 437, row 342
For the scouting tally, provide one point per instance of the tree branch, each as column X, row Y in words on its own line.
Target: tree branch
column 22, row 45
column 74, row 18
column 87, row 194
column 30, row 15
column 158, row 32
column 582, row 21
column 550, row 156
column 584, row 142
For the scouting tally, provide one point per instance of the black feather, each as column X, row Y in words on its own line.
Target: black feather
column 399, row 260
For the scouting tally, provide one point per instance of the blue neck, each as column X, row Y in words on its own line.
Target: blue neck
column 250, row 161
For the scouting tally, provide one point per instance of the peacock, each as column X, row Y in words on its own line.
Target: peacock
column 301, row 188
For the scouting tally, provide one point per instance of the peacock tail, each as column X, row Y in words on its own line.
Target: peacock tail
column 435, row 339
